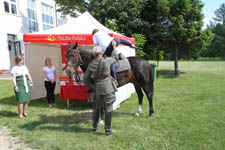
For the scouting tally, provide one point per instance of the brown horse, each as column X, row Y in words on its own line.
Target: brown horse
column 140, row 73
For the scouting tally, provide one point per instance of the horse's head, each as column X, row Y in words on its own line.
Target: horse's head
column 73, row 59
column 70, row 53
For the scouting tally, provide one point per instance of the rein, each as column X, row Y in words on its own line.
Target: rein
column 77, row 61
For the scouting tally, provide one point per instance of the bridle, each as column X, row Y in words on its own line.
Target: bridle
column 75, row 62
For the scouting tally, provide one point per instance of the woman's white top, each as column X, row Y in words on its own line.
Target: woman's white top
column 19, row 70
column 49, row 72
column 102, row 39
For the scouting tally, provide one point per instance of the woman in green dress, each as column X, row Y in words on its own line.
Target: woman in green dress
column 22, row 82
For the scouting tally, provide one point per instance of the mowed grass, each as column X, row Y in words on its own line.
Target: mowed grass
column 189, row 115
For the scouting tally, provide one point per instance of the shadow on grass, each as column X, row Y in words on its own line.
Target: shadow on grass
column 8, row 114
column 8, row 101
column 67, row 123
column 42, row 103
column 122, row 114
column 77, row 105
column 167, row 74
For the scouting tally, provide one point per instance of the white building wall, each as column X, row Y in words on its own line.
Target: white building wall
column 18, row 25
column 4, row 54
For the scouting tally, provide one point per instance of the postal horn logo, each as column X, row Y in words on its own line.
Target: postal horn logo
column 51, row 38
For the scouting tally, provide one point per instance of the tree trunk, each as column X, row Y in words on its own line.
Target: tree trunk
column 176, row 62
column 224, row 54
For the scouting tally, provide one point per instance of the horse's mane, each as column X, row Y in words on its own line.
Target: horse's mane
column 86, row 53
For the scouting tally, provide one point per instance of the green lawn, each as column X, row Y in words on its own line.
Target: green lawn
column 189, row 115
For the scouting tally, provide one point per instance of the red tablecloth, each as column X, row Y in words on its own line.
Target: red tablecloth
column 73, row 92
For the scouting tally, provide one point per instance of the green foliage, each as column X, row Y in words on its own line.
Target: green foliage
column 158, row 55
column 71, row 6
column 210, row 59
column 111, row 24
column 126, row 14
column 173, row 26
column 140, row 41
column 217, row 47
column 220, row 14
column 184, row 35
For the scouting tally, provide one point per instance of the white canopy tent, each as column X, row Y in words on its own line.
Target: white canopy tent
column 46, row 44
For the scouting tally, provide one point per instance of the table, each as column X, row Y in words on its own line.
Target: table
column 73, row 92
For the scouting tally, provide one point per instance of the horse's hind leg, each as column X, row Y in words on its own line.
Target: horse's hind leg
column 149, row 94
column 140, row 97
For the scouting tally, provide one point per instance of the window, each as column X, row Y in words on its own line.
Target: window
column 6, row 5
column 32, row 22
column 10, row 6
column 47, row 17
column 60, row 19
column 13, row 45
column 11, row 37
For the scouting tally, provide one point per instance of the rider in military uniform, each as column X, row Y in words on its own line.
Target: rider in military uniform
column 97, row 78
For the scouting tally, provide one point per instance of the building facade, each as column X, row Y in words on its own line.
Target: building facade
column 24, row 16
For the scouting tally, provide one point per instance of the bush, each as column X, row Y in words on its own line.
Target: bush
column 140, row 41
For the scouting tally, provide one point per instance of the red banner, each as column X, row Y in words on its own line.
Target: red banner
column 66, row 38
column 63, row 53
column 58, row 38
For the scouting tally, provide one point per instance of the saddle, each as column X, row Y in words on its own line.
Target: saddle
column 122, row 65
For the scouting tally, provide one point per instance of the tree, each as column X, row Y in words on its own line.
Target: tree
column 158, row 55
column 184, row 34
column 111, row 24
column 154, row 18
column 72, row 6
column 220, row 14
column 140, row 41
column 217, row 47
column 173, row 26
column 125, row 13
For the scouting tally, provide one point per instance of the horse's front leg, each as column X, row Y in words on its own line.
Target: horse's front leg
column 139, row 110
column 140, row 98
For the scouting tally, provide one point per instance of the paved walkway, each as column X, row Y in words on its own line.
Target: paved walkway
column 9, row 142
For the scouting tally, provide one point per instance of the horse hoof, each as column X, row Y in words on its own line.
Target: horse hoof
column 101, row 122
column 137, row 114
column 150, row 117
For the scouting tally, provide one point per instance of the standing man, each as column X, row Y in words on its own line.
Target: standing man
column 97, row 79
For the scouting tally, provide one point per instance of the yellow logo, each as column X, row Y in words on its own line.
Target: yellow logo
column 51, row 38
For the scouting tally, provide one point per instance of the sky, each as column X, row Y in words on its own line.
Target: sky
column 210, row 6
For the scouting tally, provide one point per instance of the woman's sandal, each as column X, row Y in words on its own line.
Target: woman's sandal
column 25, row 115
